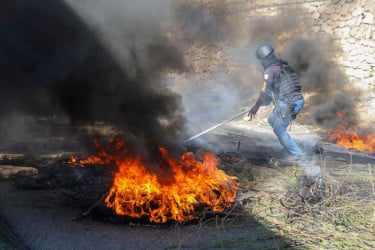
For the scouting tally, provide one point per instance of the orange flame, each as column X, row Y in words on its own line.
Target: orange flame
column 171, row 193
column 349, row 138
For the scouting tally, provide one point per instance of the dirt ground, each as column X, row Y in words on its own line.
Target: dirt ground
column 270, row 212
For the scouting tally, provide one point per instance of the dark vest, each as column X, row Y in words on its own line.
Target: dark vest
column 287, row 87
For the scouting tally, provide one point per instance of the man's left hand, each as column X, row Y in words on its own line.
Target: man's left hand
column 292, row 113
column 253, row 112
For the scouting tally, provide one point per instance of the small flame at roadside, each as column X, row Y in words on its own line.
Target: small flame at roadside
column 101, row 157
column 350, row 138
column 173, row 192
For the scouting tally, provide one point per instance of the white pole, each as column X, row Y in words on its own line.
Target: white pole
column 217, row 125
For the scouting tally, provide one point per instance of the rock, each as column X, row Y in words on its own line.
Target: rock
column 331, row 9
column 335, row 16
column 12, row 158
column 358, row 11
column 368, row 18
column 8, row 172
column 369, row 6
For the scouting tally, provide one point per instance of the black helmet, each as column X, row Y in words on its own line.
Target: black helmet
column 264, row 51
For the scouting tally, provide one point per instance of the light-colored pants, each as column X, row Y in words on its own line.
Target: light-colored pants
column 280, row 124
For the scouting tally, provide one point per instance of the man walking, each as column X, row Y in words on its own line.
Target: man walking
column 281, row 87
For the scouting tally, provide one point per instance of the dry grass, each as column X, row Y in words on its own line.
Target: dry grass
column 341, row 215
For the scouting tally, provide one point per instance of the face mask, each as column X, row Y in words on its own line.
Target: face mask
column 267, row 61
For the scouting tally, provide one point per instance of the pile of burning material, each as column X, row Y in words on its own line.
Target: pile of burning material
column 352, row 137
column 174, row 190
column 349, row 142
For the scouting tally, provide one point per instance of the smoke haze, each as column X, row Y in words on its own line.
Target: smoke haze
column 208, row 24
column 109, row 61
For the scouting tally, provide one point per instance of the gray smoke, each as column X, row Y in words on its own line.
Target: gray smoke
column 212, row 24
column 275, row 30
column 208, row 100
column 210, row 94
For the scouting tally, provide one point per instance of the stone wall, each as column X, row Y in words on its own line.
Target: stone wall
column 351, row 24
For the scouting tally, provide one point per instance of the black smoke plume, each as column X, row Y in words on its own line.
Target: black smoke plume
column 54, row 62
column 331, row 98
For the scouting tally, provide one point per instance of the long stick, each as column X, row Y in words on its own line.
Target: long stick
column 216, row 126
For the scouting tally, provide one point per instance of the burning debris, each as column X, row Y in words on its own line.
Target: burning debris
column 351, row 138
column 172, row 191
